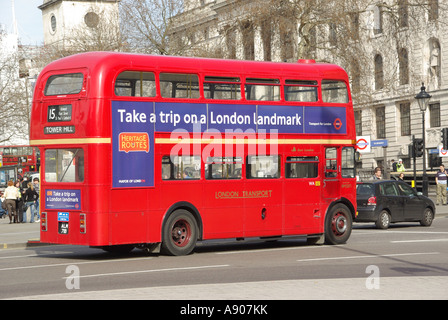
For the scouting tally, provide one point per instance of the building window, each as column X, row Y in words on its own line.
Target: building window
column 380, row 122
column 248, row 34
column 231, row 43
column 433, row 13
column 53, row 24
column 403, row 20
column 434, row 115
column 403, row 62
column 91, row 19
column 378, row 20
column 333, row 39
column 358, row 122
column 405, row 118
column 379, row 75
column 434, row 63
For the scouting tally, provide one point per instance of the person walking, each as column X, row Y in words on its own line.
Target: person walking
column 36, row 204
column 11, row 194
column 441, row 182
column 31, row 197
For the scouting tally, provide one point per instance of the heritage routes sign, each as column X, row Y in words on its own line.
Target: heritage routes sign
column 134, row 124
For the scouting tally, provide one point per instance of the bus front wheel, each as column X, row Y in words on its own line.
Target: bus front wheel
column 180, row 233
column 338, row 225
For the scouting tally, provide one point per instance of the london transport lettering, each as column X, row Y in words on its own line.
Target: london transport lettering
column 245, row 194
column 135, row 123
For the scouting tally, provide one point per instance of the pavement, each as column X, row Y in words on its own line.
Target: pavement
column 23, row 235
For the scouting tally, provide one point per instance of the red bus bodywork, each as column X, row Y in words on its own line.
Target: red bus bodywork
column 98, row 209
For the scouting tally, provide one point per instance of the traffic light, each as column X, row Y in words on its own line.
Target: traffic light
column 445, row 138
column 418, row 147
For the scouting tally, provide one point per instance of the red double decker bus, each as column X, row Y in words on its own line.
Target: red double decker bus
column 141, row 151
column 25, row 157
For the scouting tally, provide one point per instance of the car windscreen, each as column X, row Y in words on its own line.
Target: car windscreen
column 365, row 189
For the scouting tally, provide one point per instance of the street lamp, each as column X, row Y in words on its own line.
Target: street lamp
column 423, row 101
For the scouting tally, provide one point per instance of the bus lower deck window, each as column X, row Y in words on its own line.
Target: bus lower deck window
column 263, row 167
column 181, row 167
column 302, row 167
column 223, row 168
column 64, row 165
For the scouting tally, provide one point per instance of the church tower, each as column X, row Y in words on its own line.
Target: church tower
column 66, row 21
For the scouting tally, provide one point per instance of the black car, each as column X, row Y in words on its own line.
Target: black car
column 389, row 201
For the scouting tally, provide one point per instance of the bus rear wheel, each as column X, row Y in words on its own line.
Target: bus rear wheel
column 338, row 225
column 180, row 233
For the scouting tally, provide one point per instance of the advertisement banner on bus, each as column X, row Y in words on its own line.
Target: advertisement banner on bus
column 134, row 125
column 133, row 144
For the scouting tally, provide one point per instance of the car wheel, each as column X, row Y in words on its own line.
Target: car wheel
column 428, row 217
column 383, row 221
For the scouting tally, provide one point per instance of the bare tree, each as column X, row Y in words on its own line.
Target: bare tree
column 147, row 25
column 14, row 107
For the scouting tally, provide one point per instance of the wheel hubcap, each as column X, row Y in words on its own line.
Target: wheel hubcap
column 339, row 224
column 181, row 233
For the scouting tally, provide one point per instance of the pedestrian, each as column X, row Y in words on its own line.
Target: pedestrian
column 441, row 182
column 394, row 165
column 11, row 194
column 31, row 197
column 36, row 204
column 19, row 202
column 377, row 174
column 3, row 212
column 400, row 166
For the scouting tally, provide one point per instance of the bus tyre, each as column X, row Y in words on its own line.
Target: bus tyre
column 338, row 225
column 180, row 233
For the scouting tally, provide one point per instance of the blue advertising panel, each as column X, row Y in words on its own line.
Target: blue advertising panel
column 224, row 117
column 325, row 120
column 63, row 199
column 134, row 125
column 285, row 119
column 133, row 144
column 171, row 116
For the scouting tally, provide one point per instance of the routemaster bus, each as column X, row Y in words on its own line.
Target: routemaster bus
column 25, row 157
column 161, row 152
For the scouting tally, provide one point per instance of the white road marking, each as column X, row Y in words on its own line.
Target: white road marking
column 152, row 270
column 412, row 241
column 71, row 263
column 369, row 256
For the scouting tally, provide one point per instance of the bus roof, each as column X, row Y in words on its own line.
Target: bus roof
column 113, row 60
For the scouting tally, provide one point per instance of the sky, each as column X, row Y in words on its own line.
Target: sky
column 29, row 20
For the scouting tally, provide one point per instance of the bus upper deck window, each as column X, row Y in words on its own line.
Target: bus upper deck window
column 334, row 91
column 70, row 83
column 301, row 90
column 135, row 84
column 177, row 85
column 225, row 88
column 262, row 89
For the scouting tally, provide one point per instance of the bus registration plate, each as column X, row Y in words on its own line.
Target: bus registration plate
column 63, row 219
